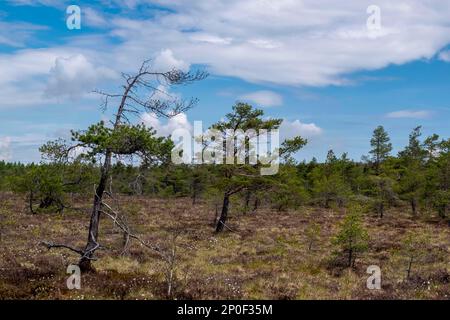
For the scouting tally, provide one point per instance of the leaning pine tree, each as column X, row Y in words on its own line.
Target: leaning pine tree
column 123, row 138
column 240, row 129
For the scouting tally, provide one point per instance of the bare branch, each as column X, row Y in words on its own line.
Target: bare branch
column 50, row 245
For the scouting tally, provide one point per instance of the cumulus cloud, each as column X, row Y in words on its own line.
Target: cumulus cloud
column 290, row 129
column 165, row 61
column 26, row 64
column 409, row 114
column 180, row 121
column 74, row 76
column 5, row 151
column 263, row 98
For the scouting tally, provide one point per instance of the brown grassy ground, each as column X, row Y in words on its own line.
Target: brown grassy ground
column 265, row 257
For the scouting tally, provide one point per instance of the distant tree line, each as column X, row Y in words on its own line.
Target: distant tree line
column 418, row 177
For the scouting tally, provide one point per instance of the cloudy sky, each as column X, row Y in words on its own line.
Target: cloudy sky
column 314, row 63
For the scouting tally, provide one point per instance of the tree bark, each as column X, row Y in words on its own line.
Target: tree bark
column 414, row 206
column 224, row 214
column 442, row 211
column 381, row 209
column 409, row 268
column 350, row 257
column 327, row 202
column 248, row 195
column 30, row 203
column 92, row 242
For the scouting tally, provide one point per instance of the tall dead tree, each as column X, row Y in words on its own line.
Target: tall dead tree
column 140, row 94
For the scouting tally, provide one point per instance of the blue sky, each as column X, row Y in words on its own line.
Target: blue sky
column 313, row 63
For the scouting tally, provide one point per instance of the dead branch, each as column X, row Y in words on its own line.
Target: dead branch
column 50, row 245
column 118, row 221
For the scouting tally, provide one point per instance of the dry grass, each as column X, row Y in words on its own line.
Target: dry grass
column 266, row 257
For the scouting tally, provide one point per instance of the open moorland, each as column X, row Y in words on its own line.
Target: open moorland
column 264, row 254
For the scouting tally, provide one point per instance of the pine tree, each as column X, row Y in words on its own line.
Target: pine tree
column 236, row 178
column 412, row 174
column 352, row 238
column 381, row 147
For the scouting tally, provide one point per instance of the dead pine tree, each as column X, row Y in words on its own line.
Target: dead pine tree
column 170, row 263
column 139, row 94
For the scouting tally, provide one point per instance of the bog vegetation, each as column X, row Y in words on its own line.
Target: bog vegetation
column 385, row 208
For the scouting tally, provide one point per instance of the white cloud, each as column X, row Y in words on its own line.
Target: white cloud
column 165, row 61
column 75, row 76
column 5, row 151
column 263, row 98
column 53, row 3
column 29, row 139
column 93, row 18
column 26, row 64
column 265, row 44
column 180, row 121
column 78, row 151
column 24, row 74
column 295, row 128
column 310, row 42
column 411, row 114
column 209, row 38
column 445, row 56
column 16, row 34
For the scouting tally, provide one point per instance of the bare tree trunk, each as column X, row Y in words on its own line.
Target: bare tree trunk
column 194, row 197
column 216, row 215
column 248, row 195
column 442, row 211
column 31, row 203
column 381, row 209
column 414, row 206
column 92, row 242
column 408, row 271
column 350, row 257
column 327, row 202
column 377, row 167
column 256, row 204
column 224, row 214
